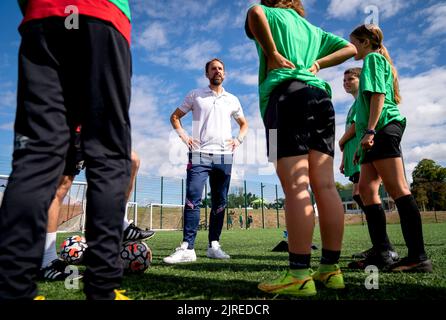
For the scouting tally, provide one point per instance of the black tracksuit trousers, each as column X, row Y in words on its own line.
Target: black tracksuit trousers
column 67, row 77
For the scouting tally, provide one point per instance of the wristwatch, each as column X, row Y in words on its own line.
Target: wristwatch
column 369, row 131
column 240, row 140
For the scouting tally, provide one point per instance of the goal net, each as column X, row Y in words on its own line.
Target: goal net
column 162, row 216
column 72, row 211
column 156, row 216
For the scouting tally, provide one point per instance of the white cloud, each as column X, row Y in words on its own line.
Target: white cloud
column 7, row 98
column 153, row 37
column 242, row 8
column 217, row 22
column 193, row 57
column 411, row 59
column 172, row 9
column 435, row 17
column 349, row 8
column 151, row 130
column 7, row 126
column 245, row 52
column 244, row 76
column 424, row 100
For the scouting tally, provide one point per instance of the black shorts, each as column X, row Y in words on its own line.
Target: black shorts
column 299, row 118
column 387, row 143
column 74, row 162
column 354, row 178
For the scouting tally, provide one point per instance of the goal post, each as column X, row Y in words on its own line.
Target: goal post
column 72, row 214
column 133, row 205
column 169, row 218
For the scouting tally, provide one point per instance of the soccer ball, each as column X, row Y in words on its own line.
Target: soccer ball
column 73, row 249
column 136, row 257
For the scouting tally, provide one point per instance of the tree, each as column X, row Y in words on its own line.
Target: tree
column 429, row 185
column 428, row 170
column 341, row 187
column 421, row 197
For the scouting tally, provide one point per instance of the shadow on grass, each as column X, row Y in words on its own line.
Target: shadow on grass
column 150, row 286
column 174, row 287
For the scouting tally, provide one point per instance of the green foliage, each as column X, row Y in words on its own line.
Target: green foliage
column 429, row 185
column 342, row 187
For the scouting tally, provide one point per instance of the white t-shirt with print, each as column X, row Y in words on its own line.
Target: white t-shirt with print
column 211, row 118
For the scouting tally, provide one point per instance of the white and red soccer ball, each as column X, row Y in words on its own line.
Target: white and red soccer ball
column 73, row 249
column 136, row 256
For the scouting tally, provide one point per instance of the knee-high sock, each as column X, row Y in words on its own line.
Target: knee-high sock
column 411, row 226
column 376, row 223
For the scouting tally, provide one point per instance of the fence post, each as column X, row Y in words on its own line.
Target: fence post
column 161, row 207
column 182, row 191
column 206, row 206
column 182, row 201
column 261, row 197
column 433, row 201
column 246, row 205
column 134, row 189
column 134, row 199
column 277, row 207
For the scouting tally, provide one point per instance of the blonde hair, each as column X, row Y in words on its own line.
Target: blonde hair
column 374, row 34
column 286, row 4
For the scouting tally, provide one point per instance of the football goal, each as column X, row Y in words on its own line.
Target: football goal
column 165, row 216
column 72, row 211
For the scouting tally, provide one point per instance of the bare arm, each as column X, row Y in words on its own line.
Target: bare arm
column 175, row 121
column 176, row 124
column 243, row 124
column 258, row 24
column 349, row 134
column 376, row 107
column 334, row 58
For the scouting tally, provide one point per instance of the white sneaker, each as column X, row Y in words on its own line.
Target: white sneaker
column 182, row 254
column 215, row 251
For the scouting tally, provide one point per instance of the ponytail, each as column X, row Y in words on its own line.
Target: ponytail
column 396, row 87
column 374, row 34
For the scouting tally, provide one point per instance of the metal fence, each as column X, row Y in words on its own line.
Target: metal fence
column 250, row 204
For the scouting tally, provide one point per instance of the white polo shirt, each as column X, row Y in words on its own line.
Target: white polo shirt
column 211, row 118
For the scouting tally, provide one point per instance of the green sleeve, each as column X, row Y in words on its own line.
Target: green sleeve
column 330, row 43
column 373, row 74
column 22, row 4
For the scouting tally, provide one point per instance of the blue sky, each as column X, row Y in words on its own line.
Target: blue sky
column 172, row 40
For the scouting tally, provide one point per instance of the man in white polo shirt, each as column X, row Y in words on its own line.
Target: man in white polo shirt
column 211, row 148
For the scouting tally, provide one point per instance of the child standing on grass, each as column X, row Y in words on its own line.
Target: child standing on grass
column 351, row 170
column 380, row 127
column 297, row 112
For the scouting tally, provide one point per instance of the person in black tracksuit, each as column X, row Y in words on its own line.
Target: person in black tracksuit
column 67, row 77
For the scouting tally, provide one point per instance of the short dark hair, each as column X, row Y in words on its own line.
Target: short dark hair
column 209, row 62
column 354, row 71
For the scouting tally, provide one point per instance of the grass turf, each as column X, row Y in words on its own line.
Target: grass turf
column 252, row 261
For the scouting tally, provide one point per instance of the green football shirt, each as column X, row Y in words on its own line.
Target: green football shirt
column 350, row 146
column 376, row 77
column 298, row 41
